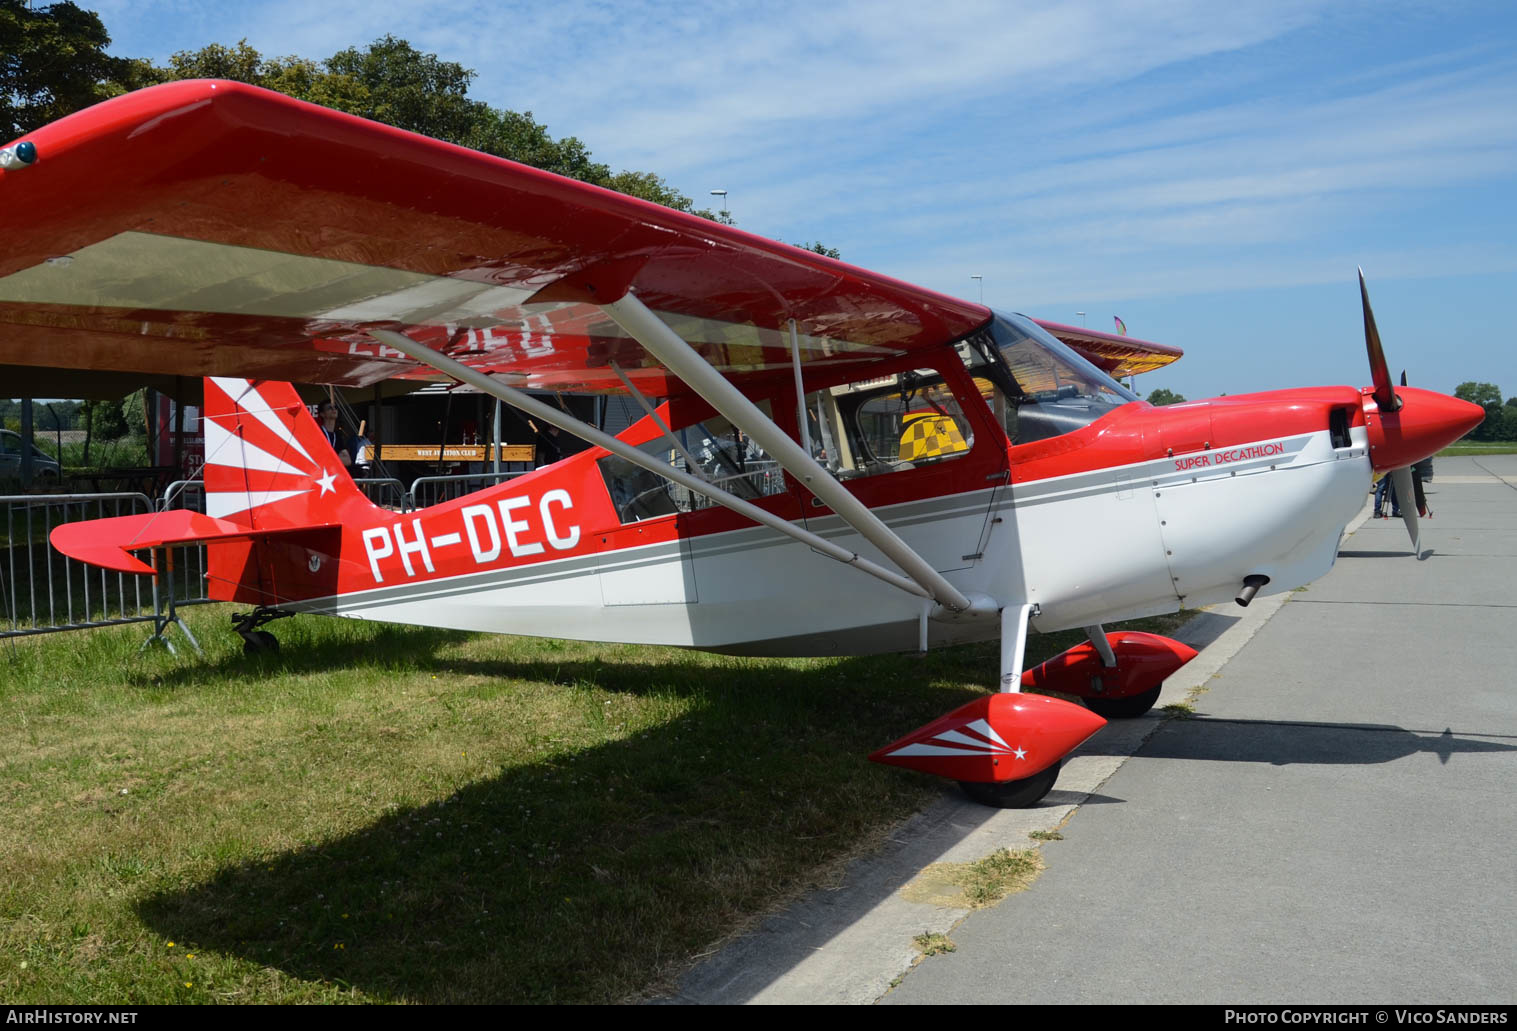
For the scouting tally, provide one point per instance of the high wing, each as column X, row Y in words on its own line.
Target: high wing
column 1118, row 356
column 213, row 228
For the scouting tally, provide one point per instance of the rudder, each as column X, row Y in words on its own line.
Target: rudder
column 267, row 464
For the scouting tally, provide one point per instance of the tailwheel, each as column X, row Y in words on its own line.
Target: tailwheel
column 1124, row 708
column 1013, row 794
column 254, row 640
column 260, row 642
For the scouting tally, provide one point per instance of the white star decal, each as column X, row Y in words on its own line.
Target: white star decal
column 325, row 482
column 1020, row 753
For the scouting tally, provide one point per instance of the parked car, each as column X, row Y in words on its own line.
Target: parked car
column 45, row 468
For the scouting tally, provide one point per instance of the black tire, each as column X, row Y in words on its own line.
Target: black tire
column 260, row 642
column 1013, row 794
column 1127, row 708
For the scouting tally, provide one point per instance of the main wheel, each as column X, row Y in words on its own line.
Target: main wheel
column 260, row 642
column 1013, row 794
column 1124, row 708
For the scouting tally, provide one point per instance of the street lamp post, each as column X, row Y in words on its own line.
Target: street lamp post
column 1082, row 317
column 723, row 195
column 981, row 281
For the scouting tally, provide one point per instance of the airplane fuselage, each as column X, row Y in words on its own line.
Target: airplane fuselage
column 1067, row 525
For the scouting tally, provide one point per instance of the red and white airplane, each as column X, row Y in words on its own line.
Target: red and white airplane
column 840, row 462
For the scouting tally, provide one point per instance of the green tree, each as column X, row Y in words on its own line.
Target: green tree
column 52, row 63
column 1165, row 397
column 1487, row 396
column 408, row 89
column 818, row 247
column 240, row 63
column 391, row 81
column 1506, row 423
column 107, row 421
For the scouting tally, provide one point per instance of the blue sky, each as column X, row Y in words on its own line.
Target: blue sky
column 1212, row 173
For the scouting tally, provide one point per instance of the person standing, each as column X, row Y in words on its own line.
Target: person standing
column 326, row 418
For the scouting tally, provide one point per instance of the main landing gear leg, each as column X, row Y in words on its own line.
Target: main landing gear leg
column 254, row 640
column 1027, row 791
column 1004, row 748
column 1127, row 708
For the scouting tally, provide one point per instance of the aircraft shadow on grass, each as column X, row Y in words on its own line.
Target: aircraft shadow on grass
column 491, row 894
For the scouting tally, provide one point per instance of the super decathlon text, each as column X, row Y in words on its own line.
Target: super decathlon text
column 513, row 524
column 18, row 1016
column 1237, row 454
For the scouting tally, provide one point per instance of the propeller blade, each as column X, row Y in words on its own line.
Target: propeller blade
column 1406, row 497
column 1385, row 394
column 1403, row 377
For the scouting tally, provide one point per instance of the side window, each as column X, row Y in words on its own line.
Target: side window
column 887, row 424
column 712, row 449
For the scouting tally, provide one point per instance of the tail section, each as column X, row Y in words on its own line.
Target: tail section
column 268, row 466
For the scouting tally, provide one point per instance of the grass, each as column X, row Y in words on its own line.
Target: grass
column 1487, row 447
column 930, row 943
column 1003, row 872
column 393, row 814
column 975, row 885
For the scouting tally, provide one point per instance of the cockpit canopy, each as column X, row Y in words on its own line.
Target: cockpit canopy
column 1038, row 386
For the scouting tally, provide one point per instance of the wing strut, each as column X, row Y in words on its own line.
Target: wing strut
column 680, row 358
column 569, row 424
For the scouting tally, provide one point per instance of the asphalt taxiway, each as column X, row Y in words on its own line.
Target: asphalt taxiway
column 1334, row 825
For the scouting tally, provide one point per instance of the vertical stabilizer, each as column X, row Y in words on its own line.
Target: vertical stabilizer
column 267, row 464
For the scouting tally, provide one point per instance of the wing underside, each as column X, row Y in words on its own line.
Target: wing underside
column 213, row 228
column 219, row 229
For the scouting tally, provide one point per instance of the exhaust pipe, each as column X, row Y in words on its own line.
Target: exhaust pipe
column 1251, row 585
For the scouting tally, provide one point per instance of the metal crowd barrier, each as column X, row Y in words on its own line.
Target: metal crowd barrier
column 432, row 490
column 42, row 591
column 189, row 562
column 384, row 491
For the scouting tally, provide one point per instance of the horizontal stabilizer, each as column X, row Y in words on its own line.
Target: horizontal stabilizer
column 108, row 543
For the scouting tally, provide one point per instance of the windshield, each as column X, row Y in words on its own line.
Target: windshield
column 1038, row 386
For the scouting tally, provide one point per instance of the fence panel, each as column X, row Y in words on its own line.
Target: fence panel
column 384, row 491
column 42, row 591
column 432, row 490
column 188, row 563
